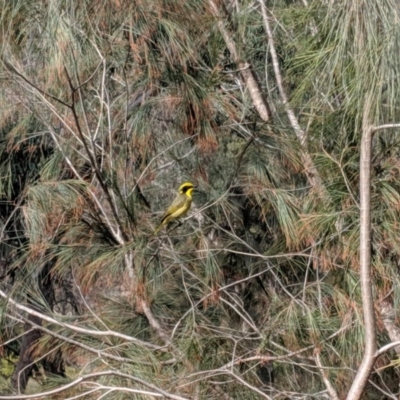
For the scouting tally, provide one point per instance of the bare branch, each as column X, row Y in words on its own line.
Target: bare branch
column 92, row 157
column 309, row 168
column 251, row 82
column 364, row 371
column 370, row 352
column 388, row 315
column 154, row 323
column 100, row 353
column 331, row 390
column 158, row 392
column 78, row 328
column 384, row 126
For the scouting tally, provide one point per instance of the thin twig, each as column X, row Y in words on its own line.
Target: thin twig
column 329, row 387
column 84, row 378
column 78, row 328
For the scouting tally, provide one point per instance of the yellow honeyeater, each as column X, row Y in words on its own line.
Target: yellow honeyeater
column 179, row 207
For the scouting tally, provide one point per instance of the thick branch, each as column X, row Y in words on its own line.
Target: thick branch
column 370, row 353
column 249, row 78
column 364, row 371
column 309, row 168
column 26, row 359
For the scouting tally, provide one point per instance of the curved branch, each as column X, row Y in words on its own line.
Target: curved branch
column 100, row 353
column 158, row 392
column 78, row 328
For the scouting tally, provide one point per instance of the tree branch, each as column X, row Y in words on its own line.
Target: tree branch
column 331, row 390
column 78, row 328
column 309, row 168
column 364, row 371
column 249, row 78
column 158, row 392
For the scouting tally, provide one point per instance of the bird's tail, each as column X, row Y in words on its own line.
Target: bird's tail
column 158, row 229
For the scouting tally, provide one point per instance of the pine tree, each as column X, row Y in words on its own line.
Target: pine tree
column 107, row 107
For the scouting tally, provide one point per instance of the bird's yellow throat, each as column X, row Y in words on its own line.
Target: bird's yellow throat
column 189, row 192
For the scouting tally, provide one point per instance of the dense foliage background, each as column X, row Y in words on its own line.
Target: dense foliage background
column 106, row 108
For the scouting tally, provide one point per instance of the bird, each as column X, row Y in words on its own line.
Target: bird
column 179, row 207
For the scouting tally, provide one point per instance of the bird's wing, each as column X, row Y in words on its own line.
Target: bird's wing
column 176, row 204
